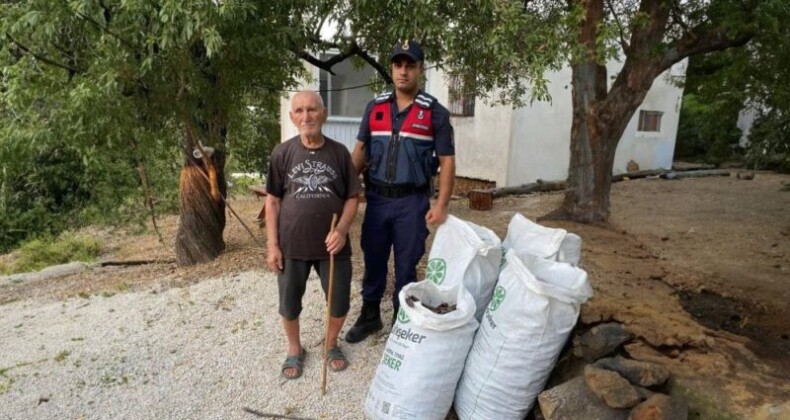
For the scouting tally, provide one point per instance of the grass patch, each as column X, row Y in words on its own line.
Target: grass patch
column 5, row 383
column 43, row 252
column 62, row 356
column 703, row 407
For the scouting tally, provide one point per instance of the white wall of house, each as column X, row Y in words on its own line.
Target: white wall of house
column 653, row 149
column 746, row 118
column 482, row 142
column 518, row 146
column 541, row 135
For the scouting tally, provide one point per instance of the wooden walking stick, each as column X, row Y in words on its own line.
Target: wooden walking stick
column 328, row 308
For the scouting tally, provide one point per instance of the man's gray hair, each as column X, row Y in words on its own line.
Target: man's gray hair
column 313, row 93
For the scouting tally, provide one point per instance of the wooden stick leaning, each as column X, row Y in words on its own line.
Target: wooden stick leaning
column 331, row 287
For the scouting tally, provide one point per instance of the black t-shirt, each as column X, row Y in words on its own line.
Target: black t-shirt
column 313, row 184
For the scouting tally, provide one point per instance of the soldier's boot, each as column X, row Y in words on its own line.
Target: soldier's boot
column 369, row 321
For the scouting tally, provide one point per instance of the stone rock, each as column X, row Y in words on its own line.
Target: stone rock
column 52, row 272
column 573, row 400
column 612, row 388
column 632, row 166
column 661, row 407
column 600, row 340
column 644, row 393
column 638, row 373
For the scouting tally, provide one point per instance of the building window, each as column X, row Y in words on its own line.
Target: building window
column 650, row 121
column 345, row 93
column 461, row 104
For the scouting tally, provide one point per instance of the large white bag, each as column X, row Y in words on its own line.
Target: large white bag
column 468, row 254
column 534, row 308
column 526, row 236
column 424, row 356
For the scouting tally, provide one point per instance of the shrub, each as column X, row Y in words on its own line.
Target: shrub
column 43, row 252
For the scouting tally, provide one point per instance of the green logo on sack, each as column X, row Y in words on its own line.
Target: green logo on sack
column 497, row 298
column 402, row 317
column 436, row 270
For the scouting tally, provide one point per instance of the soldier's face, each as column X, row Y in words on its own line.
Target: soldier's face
column 406, row 73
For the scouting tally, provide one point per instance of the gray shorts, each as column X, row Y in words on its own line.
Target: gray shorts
column 292, row 283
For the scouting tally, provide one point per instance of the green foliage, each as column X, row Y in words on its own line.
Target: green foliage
column 39, row 253
column 91, row 90
column 240, row 186
column 769, row 142
column 721, row 84
column 707, row 130
column 252, row 137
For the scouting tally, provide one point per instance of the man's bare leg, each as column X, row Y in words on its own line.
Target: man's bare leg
column 294, row 345
column 335, row 324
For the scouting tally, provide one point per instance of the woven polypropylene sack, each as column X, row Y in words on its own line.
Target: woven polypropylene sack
column 424, row 355
column 533, row 310
column 468, row 254
column 526, row 236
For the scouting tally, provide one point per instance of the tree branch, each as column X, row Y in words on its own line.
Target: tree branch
column 701, row 41
column 351, row 50
column 650, row 33
column 623, row 42
column 41, row 58
column 107, row 30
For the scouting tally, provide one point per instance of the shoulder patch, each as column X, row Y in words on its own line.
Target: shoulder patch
column 424, row 100
column 384, row 97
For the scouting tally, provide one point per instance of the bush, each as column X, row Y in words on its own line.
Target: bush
column 240, row 185
column 43, row 252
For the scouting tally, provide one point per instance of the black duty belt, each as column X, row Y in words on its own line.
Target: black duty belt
column 397, row 191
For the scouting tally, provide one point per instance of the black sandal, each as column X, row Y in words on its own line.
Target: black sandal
column 334, row 354
column 294, row 362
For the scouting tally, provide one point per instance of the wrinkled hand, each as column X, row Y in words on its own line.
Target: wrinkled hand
column 335, row 241
column 436, row 215
column 274, row 259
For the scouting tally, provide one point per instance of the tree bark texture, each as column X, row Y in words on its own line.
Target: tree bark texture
column 199, row 238
column 601, row 114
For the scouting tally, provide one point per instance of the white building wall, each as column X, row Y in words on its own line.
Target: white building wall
column 654, row 150
column 539, row 143
column 482, row 142
column 542, row 135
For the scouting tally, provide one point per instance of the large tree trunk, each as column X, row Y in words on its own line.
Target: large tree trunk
column 600, row 116
column 199, row 238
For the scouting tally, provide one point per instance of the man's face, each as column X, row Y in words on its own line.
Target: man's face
column 307, row 114
column 406, row 73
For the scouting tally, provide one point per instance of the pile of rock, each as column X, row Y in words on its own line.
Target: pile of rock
column 611, row 387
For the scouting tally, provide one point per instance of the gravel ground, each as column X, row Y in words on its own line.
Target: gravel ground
column 204, row 351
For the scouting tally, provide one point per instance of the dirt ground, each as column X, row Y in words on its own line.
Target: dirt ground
column 697, row 269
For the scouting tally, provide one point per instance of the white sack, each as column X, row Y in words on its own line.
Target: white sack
column 533, row 310
column 468, row 254
column 526, row 236
column 424, row 355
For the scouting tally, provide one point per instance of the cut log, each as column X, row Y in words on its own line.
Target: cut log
column 638, row 174
column 134, row 262
column 484, row 199
column 695, row 174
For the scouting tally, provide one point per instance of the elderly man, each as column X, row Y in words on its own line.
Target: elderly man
column 310, row 178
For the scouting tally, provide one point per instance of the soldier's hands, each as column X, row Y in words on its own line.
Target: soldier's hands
column 274, row 259
column 436, row 215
